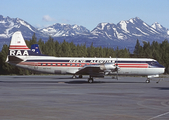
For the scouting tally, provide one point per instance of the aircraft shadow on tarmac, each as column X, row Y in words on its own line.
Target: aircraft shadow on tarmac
column 40, row 80
column 101, row 82
column 161, row 88
column 68, row 82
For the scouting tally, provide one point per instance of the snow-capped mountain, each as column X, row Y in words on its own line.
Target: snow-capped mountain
column 10, row 25
column 160, row 28
column 123, row 34
column 58, row 30
column 130, row 29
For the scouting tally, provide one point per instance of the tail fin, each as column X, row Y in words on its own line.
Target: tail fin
column 17, row 48
column 35, row 48
column 17, row 42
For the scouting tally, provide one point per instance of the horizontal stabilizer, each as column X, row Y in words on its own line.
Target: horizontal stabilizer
column 13, row 59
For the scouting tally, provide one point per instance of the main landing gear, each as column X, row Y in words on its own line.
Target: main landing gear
column 80, row 76
column 90, row 79
column 74, row 76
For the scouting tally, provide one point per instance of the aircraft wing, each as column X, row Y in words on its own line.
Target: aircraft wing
column 97, row 70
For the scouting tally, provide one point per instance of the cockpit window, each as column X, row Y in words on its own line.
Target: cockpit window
column 154, row 64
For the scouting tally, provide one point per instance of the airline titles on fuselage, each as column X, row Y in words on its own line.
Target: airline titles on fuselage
column 91, row 61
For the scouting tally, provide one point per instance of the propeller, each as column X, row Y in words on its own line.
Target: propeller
column 117, row 69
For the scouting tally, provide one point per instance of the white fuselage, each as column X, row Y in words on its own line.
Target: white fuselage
column 70, row 65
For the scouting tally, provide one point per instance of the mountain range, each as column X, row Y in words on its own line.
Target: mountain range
column 124, row 34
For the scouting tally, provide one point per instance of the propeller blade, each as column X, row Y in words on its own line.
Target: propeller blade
column 117, row 69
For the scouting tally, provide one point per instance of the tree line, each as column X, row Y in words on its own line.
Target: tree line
column 155, row 50
column 158, row 51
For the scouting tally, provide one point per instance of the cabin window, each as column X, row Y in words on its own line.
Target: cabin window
column 70, row 64
column 61, row 64
column 41, row 64
column 66, row 64
column 56, row 64
column 51, row 64
column 46, row 64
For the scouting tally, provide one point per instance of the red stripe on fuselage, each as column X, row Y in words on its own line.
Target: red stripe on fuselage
column 80, row 64
column 133, row 65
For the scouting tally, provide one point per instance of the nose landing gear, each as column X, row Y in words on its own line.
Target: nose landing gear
column 148, row 80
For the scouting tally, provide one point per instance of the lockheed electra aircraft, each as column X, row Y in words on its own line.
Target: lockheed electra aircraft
column 21, row 56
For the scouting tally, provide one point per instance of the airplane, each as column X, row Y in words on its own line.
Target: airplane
column 21, row 56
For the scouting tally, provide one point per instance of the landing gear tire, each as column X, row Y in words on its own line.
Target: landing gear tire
column 90, row 80
column 74, row 76
column 148, row 80
column 80, row 76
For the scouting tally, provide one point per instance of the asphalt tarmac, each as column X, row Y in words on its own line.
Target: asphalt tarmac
column 55, row 97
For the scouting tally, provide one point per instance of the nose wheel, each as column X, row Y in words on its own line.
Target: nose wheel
column 148, row 80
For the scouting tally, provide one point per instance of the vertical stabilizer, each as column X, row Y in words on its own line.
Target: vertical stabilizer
column 17, row 42
column 17, row 48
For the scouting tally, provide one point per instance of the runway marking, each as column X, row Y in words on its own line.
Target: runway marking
column 165, row 103
column 159, row 116
column 141, row 103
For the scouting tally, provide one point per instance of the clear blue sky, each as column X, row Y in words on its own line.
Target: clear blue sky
column 88, row 13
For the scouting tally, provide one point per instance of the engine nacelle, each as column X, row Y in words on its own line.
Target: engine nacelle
column 108, row 66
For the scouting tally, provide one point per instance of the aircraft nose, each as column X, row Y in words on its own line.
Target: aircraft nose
column 162, row 70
